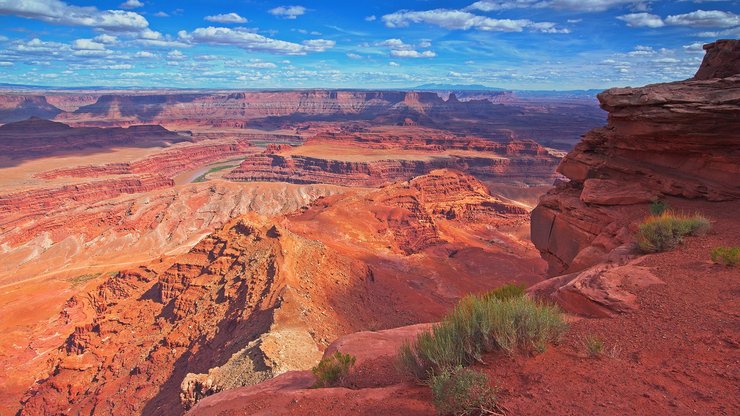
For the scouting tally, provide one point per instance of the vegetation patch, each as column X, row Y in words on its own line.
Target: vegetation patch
column 507, row 291
column 202, row 178
column 658, row 207
column 728, row 256
column 666, row 231
column 331, row 371
column 463, row 391
column 477, row 325
column 83, row 278
column 594, row 346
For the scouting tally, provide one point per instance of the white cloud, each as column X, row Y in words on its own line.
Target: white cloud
column 699, row 18
column 176, row 55
column 401, row 49
column 353, row 56
column 696, row 47
column 161, row 14
column 87, row 44
column 575, row 5
column 107, row 39
column 391, row 63
column 117, row 66
column 251, row 41
column 462, row 20
column 704, row 18
column 226, row 18
column 262, row 65
column 318, row 45
column 370, row 18
column 144, row 54
column 59, row 12
column 642, row 20
column 132, row 4
column 413, row 54
column 6, row 63
column 288, row 12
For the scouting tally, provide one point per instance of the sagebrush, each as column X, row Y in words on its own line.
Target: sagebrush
column 477, row 325
column 332, row 370
column 666, row 231
column 728, row 256
column 594, row 346
column 462, row 391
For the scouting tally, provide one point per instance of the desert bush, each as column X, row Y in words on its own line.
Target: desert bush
column 332, row 370
column 728, row 256
column 462, row 391
column 594, row 345
column 507, row 291
column 666, row 231
column 658, row 207
column 480, row 324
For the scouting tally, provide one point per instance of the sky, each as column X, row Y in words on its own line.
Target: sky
column 515, row 44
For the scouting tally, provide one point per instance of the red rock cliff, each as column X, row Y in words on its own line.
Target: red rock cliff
column 677, row 139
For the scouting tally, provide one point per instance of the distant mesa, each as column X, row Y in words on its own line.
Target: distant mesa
column 37, row 137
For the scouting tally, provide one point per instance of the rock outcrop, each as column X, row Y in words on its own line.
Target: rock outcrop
column 397, row 157
column 678, row 139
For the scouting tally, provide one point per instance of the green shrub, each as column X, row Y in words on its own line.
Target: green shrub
column 331, row 371
column 462, row 391
column 728, row 256
column 594, row 346
column 507, row 291
column 666, row 231
column 658, row 207
column 480, row 324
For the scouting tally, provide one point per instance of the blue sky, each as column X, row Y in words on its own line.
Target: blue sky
column 521, row 44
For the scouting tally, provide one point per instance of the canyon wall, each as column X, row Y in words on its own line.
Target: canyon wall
column 375, row 159
column 677, row 139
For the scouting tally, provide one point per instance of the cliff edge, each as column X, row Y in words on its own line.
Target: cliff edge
column 677, row 139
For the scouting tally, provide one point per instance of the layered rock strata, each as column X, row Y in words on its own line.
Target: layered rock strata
column 678, row 139
column 523, row 161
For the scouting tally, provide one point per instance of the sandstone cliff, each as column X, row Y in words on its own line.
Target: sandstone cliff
column 678, row 139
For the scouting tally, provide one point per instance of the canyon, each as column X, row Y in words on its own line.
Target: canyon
column 199, row 252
